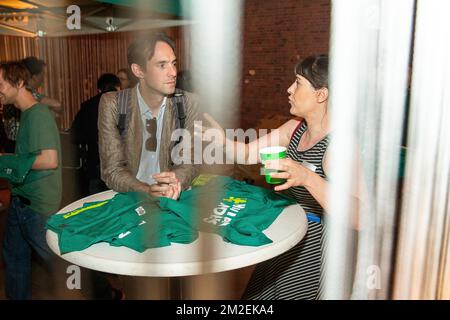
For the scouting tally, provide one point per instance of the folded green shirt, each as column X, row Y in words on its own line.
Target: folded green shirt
column 15, row 167
column 131, row 219
column 237, row 211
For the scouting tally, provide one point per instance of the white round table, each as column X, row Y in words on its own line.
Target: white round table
column 208, row 254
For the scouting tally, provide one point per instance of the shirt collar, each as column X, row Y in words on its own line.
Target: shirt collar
column 143, row 107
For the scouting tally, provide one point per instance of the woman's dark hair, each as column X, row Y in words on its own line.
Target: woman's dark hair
column 315, row 70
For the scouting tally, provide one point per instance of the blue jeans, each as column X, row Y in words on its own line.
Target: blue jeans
column 25, row 232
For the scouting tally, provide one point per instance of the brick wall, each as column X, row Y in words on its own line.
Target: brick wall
column 277, row 34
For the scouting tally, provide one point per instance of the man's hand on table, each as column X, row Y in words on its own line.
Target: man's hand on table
column 167, row 185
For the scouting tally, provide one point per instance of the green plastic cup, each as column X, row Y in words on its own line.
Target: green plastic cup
column 272, row 153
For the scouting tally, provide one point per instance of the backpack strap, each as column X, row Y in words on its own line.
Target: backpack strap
column 122, row 98
column 179, row 100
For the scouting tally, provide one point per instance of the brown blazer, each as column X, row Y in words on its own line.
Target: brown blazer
column 120, row 157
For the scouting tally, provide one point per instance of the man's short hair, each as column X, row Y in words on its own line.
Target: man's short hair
column 108, row 82
column 34, row 65
column 142, row 49
column 14, row 72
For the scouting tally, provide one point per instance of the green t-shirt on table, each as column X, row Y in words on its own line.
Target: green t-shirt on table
column 97, row 221
column 131, row 219
column 236, row 211
column 159, row 229
column 38, row 131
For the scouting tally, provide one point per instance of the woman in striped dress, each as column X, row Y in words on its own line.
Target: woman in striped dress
column 296, row 274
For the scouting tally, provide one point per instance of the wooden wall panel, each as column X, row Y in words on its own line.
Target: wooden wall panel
column 75, row 63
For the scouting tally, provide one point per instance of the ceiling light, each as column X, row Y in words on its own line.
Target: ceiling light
column 40, row 33
column 110, row 27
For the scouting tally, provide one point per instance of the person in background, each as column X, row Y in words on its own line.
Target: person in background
column 184, row 81
column 11, row 122
column 3, row 137
column 126, row 77
column 85, row 133
column 37, row 70
column 34, row 199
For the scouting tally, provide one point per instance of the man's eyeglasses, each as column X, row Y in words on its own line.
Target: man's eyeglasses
column 151, row 143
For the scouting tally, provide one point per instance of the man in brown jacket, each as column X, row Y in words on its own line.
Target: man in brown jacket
column 139, row 159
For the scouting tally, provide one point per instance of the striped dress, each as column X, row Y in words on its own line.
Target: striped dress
column 296, row 274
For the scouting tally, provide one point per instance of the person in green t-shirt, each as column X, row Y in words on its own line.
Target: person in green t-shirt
column 33, row 200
